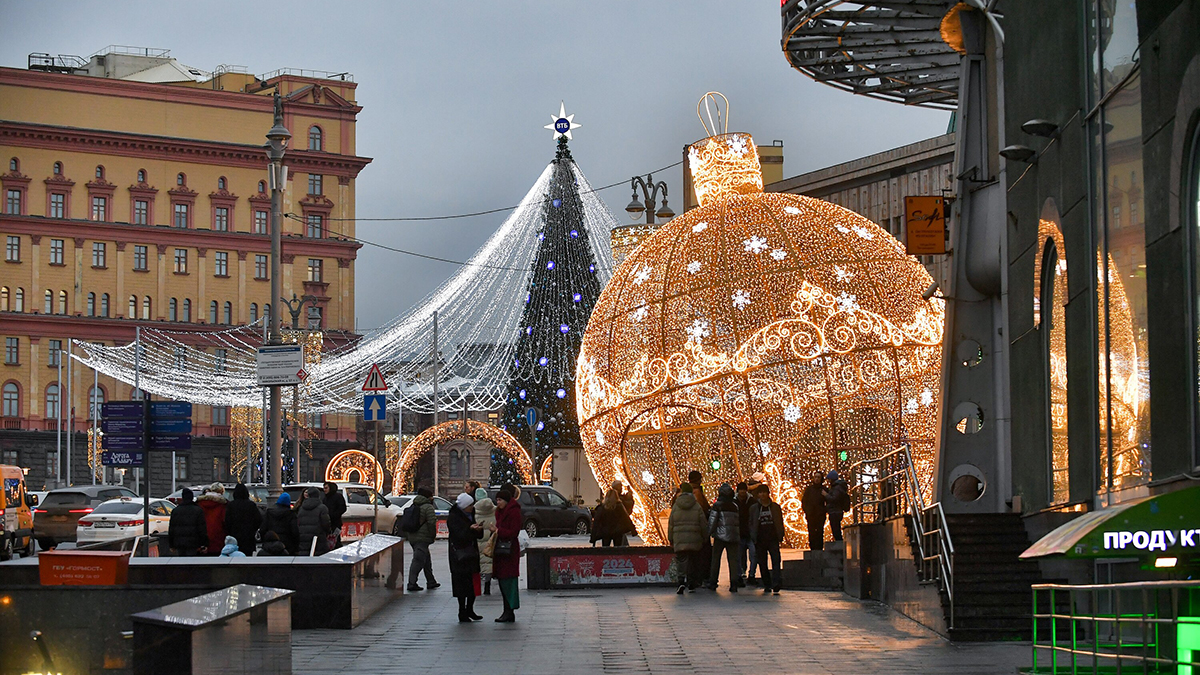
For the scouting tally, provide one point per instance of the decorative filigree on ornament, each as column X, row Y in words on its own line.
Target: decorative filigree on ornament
column 447, row 431
column 724, row 166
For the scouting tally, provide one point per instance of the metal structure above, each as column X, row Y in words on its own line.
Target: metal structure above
column 890, row 50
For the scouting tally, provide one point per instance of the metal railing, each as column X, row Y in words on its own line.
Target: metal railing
column 1144, row 627
column 312, row 74
column 886, row 487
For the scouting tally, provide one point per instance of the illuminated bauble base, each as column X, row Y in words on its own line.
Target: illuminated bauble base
column 757, row 332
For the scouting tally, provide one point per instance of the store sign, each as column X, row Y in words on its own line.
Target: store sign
column 925, row 225
column 1153, row 540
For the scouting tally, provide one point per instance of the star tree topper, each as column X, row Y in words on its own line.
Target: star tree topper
column 562, row 123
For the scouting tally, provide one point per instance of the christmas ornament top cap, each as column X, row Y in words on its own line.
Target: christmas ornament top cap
column 723, row 164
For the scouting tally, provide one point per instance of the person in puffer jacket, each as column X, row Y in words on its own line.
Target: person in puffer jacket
column 687, row 531
column 312, row 522
column 724, row 524
column 230, row 549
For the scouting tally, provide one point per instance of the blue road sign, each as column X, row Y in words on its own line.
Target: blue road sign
column 531, row 416
column 110, row 442
column 170, row 409
column 118, row 458
column 170, row 442
column 374, row 407
column 170, row 426
column 127, row 409
column 121, row 426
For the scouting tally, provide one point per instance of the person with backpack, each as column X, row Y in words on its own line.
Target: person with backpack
column 725, row 527
column 766, row 523
column 837, row 503
column 812, row 502
column 419, row 523
column 280, row 518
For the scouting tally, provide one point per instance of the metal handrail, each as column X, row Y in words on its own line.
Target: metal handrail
column 880, row 497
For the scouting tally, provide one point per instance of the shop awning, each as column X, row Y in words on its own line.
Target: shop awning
column 1162, row 525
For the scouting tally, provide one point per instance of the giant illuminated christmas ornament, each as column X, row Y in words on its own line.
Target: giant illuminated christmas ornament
column 757, row 332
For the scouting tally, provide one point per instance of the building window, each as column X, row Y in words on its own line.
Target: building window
column 58, row 202
column 221, row 219
column 181, row 261
column 181, row 467
column 262, row 187
column 141, row 212
column 221, row 264
column 12, row 351
column 95, row 401
column 267, row 312
column 91, row 304
column 227, row 313
column 54, row 353
column 12, row 408
column 260, row 221
column 12, row 249
column 56, row 251
column 3, row 298
column 99, row 173
column 14, row 164
column 146, row 308
column 314, row 269
column 260, row 266
column 104, row 305
column 181, row 215
column 220, row 356
column 221, row 183
column 181, row 180
column 62, row 302
column 140, row 258
column 314, row 184
column 187, row 310
column 314, row 138
column 133, row 307
column 99, row 254
column 212, row 312
column 173, row 311
column 220, row 416
column 141, row 176
column 52, row 402
column 18, row 304
column 253, row 312
column 100, row 209
column 316, row 225
column 49, row 309
column 12, row 202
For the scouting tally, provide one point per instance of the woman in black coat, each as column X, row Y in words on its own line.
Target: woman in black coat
column 242, row 519
column 281, row 519
column 465, row 534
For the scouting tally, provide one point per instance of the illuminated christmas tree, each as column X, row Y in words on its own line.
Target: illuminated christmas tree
column 563, row 288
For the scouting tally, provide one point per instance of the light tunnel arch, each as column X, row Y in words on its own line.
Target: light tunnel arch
column 356, row 466
column 468, row 429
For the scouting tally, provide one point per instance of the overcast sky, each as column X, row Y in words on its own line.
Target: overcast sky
column 455, row 95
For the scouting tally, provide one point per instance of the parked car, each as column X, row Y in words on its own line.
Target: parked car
column 259, row 493
column 360, row 505
column 547, row 512
column 57, row 516
column 441, row 507
column 120, row 518
column 16, row 516
column 400, row 500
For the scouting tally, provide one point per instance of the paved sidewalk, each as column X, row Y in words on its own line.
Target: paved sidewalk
column 645, row 631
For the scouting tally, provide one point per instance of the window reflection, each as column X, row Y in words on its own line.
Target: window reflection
column 1050, row 277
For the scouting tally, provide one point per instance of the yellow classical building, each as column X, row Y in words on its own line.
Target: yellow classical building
column 135, row 194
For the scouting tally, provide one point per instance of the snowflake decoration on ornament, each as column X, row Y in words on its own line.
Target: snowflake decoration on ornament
column 842, row 273
column 847, row 302
column 755, row 245
column 741, row 299
column 779, row 254
column 700, row 226
column 764, row 448
column 864, row 232
column 911, row 406
column 642, row 275
column 600, row 437
column 843, row 229
column 927, row 397
column 639, row 314
column 791, row 413
column 647, row 478
column 694, row 160
column 737, row 145
column 697, row 331
column 693, row 267
column 792, row 210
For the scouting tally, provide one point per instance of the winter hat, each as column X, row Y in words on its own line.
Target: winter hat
column 725, row 491
column 505, row 494
column 231, row 540
column 833, row 475
column 464, row 500
column 187, row 496
column 685, row 487
column 480, row 494
column 284, row 500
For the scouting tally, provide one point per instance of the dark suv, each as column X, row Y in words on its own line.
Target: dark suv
column 547, row 512
column 57, row 516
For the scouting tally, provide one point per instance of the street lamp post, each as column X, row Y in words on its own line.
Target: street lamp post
column 295, row 307
column 650, row 191
column 277, row 141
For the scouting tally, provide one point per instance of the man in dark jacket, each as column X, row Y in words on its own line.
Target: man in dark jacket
column 766, row 528
column 837, row 503
column 747, row 557
column 187, row 533
column 421, row 538
column 281, row 520
column 242, row 519
column 312, row 520
column 812, row 502
column 696, row 479
column 724, row 524
column 336, row 503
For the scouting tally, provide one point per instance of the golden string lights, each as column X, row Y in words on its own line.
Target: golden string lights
column 757, row 332
column 1054, row 318
column 355, row 466
column 446, row 431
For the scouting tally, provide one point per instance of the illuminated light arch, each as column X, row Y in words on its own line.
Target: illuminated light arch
column 471, row 429
column 546, row 473
column 347, row 463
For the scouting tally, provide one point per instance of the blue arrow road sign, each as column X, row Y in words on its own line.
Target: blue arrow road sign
column 122, row 458
column 531, row 416
column 374, row 407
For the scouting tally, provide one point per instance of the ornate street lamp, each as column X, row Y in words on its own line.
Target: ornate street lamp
column 650, row 191
column 277, row 142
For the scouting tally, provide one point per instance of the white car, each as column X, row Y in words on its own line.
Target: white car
column 120, row 518
column 360, row 507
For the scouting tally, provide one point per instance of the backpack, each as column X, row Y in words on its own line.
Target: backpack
column 843, row 500
column 411, row 520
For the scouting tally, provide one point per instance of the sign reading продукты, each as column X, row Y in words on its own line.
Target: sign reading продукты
column 280, row 365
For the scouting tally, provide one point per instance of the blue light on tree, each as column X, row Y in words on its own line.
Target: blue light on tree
column 564, row 329
column 574, row 234
column 550, row 265
column 557, row 203
column 543, row 361
column 561, row 393
column 577, row 297
column 521, row 394
column 540, row 426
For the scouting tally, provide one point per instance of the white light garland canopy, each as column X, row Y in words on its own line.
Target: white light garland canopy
column 479, row 311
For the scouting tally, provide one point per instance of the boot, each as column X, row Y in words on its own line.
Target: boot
column 487, row 587
column 507, row 616
column 471, row 610
column 463, row 617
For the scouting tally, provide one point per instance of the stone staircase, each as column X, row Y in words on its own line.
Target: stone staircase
column 815, row 570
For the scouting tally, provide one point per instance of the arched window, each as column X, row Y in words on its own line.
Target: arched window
column 212, row 312
column 133, row 307
column 181, row 180
column 1050, row 298
column 49, row 302
column 315, row 140
column 267, row 312
column 464, row 463
column 58, row 168
column 104, row 305
column 3, row 298
column 62, row 302
column 228, row 314
column 187, row 310
column 52, row 402
column 99, row 172
column 262, row 187
column 12, row 400
column 221, row 183
column 95, row 400
column 454, row 463
column 253, row 312
column 18, row 304
column 146, row 308
column 173, row 310
column 14, row 165
column 141, row 176
column 91, row 304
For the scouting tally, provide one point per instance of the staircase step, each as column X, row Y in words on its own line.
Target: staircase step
column 990, row 635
